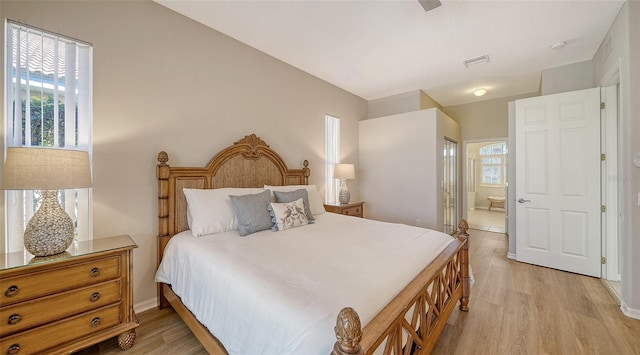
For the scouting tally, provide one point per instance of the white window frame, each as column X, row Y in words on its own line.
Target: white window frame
column 332, row 157
column 27, row 74
column 488, row 154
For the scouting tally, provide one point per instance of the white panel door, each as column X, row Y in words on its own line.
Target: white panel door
column 558, row 181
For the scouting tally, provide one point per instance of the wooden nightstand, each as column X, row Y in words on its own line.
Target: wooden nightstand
column 67, row 302
column 355, row 209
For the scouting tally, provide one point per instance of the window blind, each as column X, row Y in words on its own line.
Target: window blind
column 48, row 103
column 332, row 157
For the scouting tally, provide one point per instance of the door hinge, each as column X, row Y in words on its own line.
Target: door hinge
column 603, row 260
column 603, row 157
column 602, row 106
column 603, row 208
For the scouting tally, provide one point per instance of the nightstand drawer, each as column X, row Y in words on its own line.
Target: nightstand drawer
column 353, row 211
column 29, row 286
column 42, row 338
column 43, row 310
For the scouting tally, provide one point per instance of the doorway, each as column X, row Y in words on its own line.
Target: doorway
column 450, row 185
column 611, row 261
column 486, row 183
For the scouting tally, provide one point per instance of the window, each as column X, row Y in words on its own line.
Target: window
column 48, row 93
column 332, row 156
column 492, row 160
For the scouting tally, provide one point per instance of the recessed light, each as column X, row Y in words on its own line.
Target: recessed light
column 558, row 45
column 480, row 92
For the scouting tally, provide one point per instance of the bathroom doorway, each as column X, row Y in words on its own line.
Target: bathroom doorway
column 486, row 183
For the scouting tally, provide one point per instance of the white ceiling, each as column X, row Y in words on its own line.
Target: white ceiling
column 376, row 49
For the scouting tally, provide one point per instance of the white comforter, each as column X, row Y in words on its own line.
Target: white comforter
column 280, row 292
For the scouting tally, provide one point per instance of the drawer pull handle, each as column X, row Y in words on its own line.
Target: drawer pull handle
column 95, row 272
column 94, row 297
column 14, row 319
column 13, row 349
column 95, row 322
column 11, row 291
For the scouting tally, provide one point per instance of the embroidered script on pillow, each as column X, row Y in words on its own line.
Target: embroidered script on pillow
column 287, row 215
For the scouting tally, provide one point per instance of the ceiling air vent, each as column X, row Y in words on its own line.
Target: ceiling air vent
column 429, row 5
column 472, row 62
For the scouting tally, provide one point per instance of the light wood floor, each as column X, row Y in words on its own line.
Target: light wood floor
column 515, row 308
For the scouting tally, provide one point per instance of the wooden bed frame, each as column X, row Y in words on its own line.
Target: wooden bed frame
column 411, row 323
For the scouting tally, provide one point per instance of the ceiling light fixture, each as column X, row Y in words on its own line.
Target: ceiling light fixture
column 481, row 59
column 558, row 45
column 480, row 92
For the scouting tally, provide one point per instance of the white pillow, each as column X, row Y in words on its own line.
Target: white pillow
column 287, row 215
column 315, row 201
column 210, row 210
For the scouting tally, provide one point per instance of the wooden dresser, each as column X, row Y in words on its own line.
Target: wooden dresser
column 350, row 209
column 67, row 302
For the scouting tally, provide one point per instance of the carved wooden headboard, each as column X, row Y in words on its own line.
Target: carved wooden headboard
column 249, row 162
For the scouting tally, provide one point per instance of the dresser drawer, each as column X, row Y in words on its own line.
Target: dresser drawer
column 353, row 211
column 37, row 284
column 43, row 310
column 44, row 337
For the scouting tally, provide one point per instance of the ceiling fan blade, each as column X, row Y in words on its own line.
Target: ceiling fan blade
column 429, row 5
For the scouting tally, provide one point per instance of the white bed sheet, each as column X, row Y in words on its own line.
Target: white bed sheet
column 280, row 292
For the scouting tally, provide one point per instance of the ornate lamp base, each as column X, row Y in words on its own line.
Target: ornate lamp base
column 50, row 231
column 344, row 195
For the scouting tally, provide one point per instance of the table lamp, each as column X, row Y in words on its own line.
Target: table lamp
column 344, row 172
column 51, row 230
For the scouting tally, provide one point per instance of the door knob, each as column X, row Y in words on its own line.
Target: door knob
column 523, row 200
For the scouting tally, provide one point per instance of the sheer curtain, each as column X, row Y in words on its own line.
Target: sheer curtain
column 332, row 157
column 48, row 103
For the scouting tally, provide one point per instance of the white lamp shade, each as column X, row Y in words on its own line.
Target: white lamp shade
column 344, row 171
column 36, row 168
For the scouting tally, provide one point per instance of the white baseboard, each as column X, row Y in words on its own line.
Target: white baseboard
column 145, row 305
column 612, row 292
column 511, row 256
column 630, row 312
column 492, row 208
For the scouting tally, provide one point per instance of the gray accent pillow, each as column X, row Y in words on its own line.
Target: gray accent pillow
column 251, row 212
column 290, row 196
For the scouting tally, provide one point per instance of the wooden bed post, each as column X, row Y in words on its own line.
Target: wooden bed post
column 162, row 173
column 348, row 332
column 306, row 172
column 463, row 227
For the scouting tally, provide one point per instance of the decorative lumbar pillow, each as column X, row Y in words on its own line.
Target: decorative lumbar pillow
column 287, row 215
column 210, row 211
column 290, row 196
column 251, row 212
column 315, row 201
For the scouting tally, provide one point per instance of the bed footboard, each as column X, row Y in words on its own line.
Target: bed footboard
column 413, row 320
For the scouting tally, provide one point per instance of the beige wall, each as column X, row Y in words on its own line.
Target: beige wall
column 571, row 77
column 391, row 105
column 485, row 119
column 427, row 101
column 406, row 102
column 2, row 244
column 622, row 54
column 164, row 82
